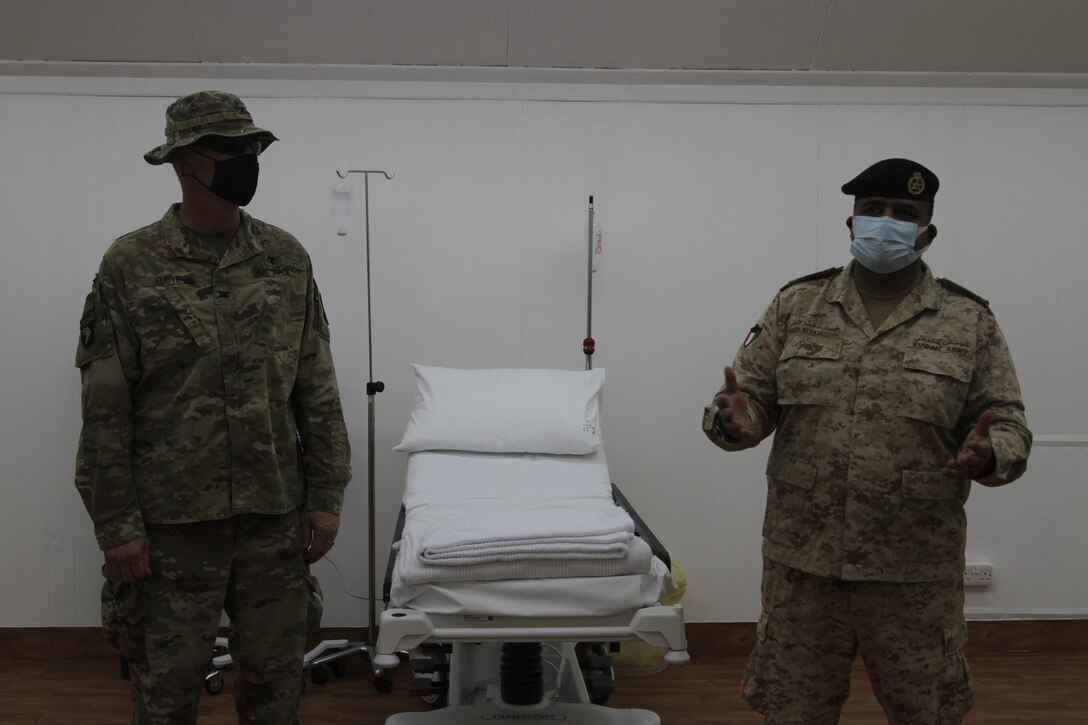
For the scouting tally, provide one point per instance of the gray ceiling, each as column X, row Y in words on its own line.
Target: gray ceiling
column 910, row 36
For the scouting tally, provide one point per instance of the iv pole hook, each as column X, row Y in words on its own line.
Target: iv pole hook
column 344, row 174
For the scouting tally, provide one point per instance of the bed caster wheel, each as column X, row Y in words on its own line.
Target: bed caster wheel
column 319, row 675
column 214, row 686
column 597, row 671
column 382, row 683
column 339, row 668
column 126, row 672
column 432, row 684
column 600, row 689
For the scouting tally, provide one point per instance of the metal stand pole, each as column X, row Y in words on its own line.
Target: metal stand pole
column 589, row 345
column 372, row 389
column 342, row 648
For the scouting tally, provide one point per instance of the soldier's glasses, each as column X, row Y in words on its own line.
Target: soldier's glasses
column 230, row 146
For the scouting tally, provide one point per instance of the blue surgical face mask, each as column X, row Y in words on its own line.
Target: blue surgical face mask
column 883, row 244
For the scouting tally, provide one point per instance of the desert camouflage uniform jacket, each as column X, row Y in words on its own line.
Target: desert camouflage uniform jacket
column 866, row 418
column 208, row 385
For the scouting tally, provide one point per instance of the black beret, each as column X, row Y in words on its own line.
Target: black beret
column 895, row 179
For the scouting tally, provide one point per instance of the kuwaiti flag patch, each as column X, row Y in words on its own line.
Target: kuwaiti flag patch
column 752, row 335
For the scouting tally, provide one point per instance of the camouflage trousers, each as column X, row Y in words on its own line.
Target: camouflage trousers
column 250, row 567
column 910, row 636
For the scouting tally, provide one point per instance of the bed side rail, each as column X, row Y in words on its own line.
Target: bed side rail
column 641, row 528
column 387, row 585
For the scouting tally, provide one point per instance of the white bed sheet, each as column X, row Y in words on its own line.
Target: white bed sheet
column 439, row 483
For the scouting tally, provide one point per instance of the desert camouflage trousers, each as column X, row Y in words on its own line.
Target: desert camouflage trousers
column 910, row 636
column 250, row 567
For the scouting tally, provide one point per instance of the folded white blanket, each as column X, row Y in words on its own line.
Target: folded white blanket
column 598, row 531
column 541, row 542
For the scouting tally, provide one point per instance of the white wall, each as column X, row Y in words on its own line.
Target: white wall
column 479, row 261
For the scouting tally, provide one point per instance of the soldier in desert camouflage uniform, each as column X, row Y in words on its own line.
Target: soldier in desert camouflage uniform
column 213, row 456
column 889, row 391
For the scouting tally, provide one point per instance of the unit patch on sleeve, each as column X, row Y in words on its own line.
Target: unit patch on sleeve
column 752, row 335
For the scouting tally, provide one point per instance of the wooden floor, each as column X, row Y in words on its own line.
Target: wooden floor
column 1048, row 688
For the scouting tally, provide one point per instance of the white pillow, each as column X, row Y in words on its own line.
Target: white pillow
column 505, row 411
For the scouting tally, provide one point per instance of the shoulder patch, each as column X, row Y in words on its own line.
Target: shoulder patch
column 952, row 286
column 822, row 274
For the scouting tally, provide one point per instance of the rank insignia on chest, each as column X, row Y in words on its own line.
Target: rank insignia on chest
column 752, row 335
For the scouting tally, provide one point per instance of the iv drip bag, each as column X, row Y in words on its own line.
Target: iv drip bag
column 341, row 206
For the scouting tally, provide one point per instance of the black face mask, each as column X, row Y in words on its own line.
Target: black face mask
column 234, row 179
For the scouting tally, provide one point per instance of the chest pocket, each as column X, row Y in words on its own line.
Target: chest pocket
column 172, row 321
column 196, row 327
column 933, row 386
column 270, row 314
column 810, row 371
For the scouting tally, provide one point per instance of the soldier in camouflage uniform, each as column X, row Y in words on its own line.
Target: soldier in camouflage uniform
column 889, row 391
column 213, row 456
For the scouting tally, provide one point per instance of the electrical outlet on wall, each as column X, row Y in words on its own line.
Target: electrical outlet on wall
column 978, row 575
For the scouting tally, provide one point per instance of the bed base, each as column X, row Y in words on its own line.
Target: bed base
column 492, row 681
column 493, row 675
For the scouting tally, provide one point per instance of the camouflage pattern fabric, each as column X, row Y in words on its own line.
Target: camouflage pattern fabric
column 911, row 637
column 208, row 384
column 249, row 566
column 865, row 419
column 206, row 113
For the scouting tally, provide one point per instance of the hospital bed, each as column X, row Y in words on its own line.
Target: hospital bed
column 516, row 563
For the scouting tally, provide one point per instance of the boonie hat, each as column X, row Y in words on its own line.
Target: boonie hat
column 207, row 113
column 894, row 179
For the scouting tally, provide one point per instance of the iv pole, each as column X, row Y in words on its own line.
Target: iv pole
column 343, row 648
column 372, row 389
column 589, row 345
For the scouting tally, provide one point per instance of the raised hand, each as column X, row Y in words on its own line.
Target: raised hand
column 977, row 454
column 733, row 408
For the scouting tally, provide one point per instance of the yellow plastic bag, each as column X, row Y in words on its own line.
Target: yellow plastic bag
column 639, row 658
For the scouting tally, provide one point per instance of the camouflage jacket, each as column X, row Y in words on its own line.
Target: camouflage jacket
column 866, row 418
column 208, row 386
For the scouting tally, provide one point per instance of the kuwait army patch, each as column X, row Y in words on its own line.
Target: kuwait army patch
column 752, row 335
